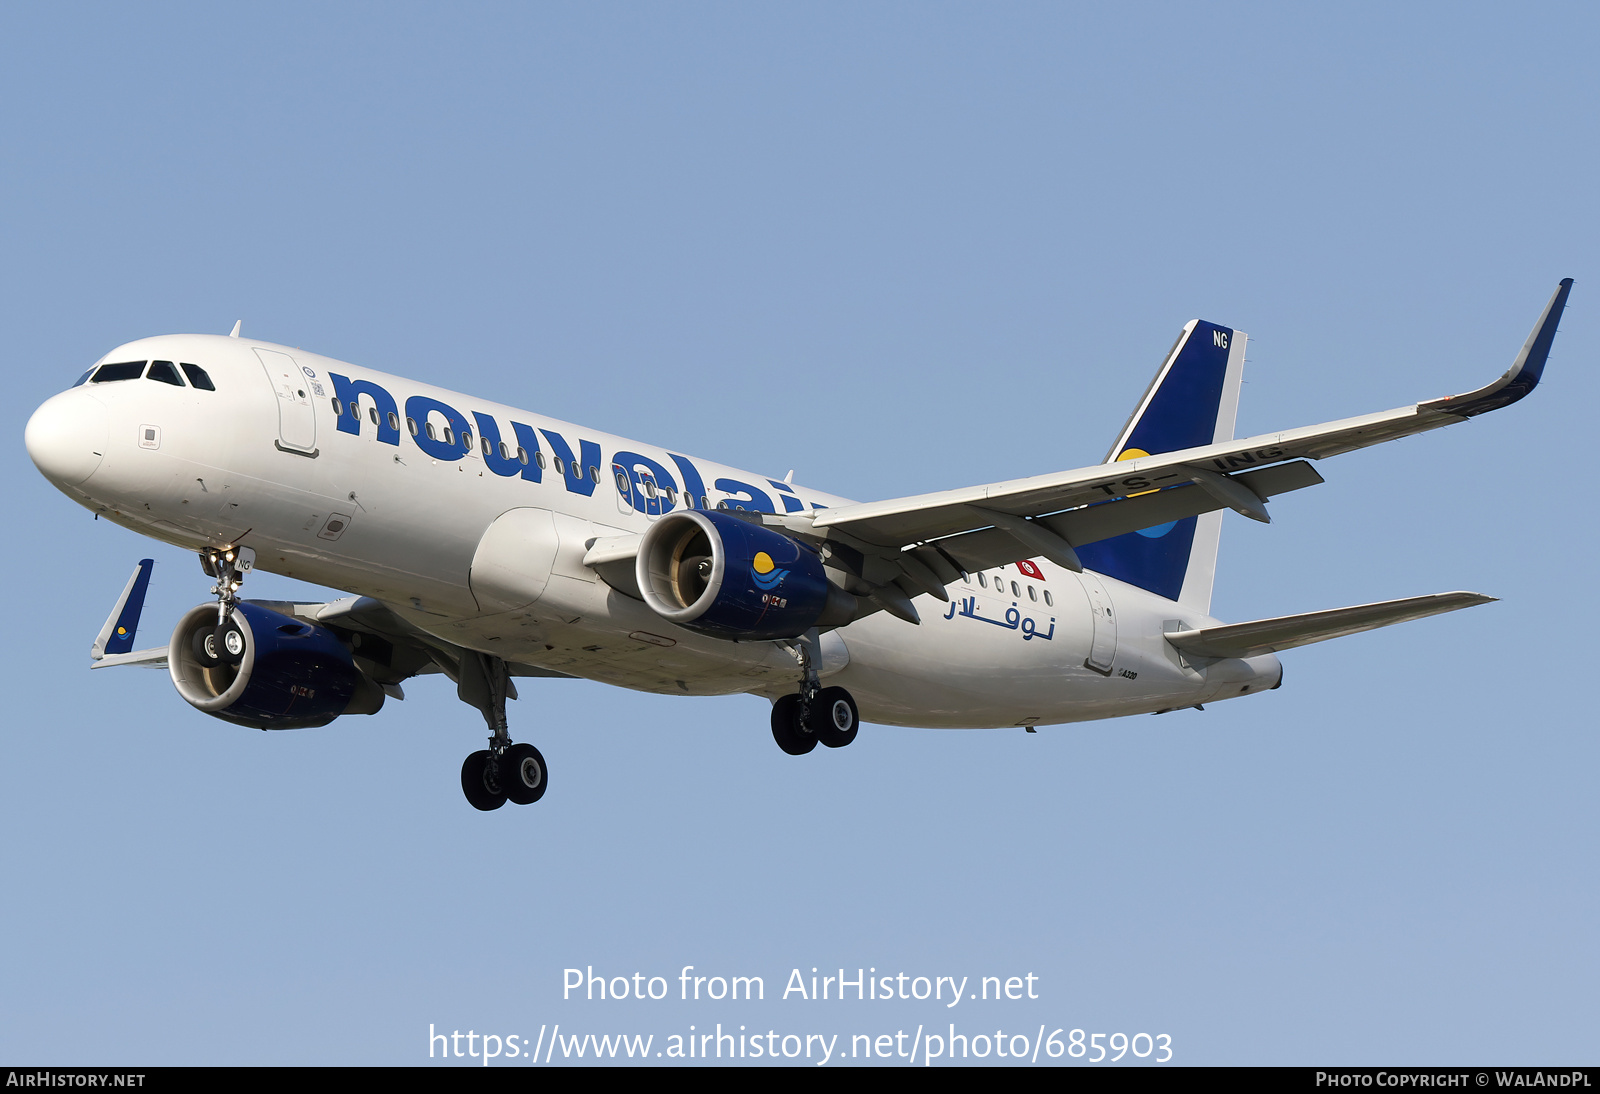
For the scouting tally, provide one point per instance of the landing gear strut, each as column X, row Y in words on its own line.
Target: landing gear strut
column 503, row 771
column 224, row 644
column 815, row 713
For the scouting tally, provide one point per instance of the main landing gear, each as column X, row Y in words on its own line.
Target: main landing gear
column 815, row 713
column 503, row 771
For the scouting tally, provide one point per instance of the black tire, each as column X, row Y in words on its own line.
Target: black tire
column 523, row 774
column 230, row 643
column 204, row 647
column 834, row 714
column 786, row 728
column 480, row 784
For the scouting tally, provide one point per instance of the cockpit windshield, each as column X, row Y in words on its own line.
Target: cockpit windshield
column 127, row 370
column 165, row 372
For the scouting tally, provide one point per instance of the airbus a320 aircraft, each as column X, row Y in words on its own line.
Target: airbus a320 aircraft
column 488, row 543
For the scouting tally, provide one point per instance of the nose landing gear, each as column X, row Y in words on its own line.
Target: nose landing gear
column 224, row 644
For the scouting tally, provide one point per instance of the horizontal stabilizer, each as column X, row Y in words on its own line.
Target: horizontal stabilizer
column 1288, row 631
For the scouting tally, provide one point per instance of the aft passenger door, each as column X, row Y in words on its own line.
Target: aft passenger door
column 1103, row 649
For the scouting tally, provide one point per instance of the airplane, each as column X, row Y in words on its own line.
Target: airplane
column 487, row 544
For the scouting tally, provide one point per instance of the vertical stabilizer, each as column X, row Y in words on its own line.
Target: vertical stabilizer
column 1192, row 402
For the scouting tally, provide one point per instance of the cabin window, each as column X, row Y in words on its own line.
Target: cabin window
column 449, row 435
column 1031, row 594
column 411, row 425
column 488, row 449
column 394, row 421
column 649, row 487
column 466, row 440
column 594, row 475
column 429, row 427
column 561, row 465
column 983, row 582
column 109, row 374
column 338, row 409
column 505, row 453
column 197, row 377
column 1015, row 591
column 1048, row 599
column 165, row 372
column 705, row 502
column 372, row 413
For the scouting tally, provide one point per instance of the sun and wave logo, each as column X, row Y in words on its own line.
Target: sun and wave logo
column 765, row 572
column 1161, row 529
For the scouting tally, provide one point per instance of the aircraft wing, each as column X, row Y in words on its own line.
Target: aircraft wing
column 385, row 646
column 1215, row 476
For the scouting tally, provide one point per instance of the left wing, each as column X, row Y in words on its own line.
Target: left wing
column 114, row 644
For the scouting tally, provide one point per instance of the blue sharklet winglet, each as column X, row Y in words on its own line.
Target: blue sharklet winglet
column 114, row 644
column 1524, row 373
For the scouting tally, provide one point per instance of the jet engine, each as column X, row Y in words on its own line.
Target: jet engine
column 719, row 575
column 266, row 670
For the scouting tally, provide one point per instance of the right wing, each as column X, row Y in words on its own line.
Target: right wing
column 1215, row 469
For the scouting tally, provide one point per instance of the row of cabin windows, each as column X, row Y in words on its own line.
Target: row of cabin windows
column 448, row 435
column 1016, row 590
column 163, row 372
column 651, row 490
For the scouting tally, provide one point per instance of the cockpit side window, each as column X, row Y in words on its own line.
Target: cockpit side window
column 165, row 372
column 128, row 370
column 198, row 378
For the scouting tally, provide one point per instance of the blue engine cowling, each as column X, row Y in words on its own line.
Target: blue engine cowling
column 293, row 675
column 714, row 573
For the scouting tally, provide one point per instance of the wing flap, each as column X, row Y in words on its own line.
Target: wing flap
column 1288, row 631
column 992, row 547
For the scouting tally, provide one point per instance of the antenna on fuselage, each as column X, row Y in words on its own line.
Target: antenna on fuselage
column 237, row 323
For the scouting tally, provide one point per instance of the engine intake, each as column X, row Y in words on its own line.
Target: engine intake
column 290, row 674
column 714, row 573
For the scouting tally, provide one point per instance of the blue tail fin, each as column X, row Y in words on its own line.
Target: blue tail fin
column 1191, row 402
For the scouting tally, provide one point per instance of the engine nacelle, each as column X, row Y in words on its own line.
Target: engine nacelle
column 292, row 674
column 711, row 572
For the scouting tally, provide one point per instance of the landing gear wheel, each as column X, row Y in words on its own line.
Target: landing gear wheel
column 480, row 782
column 833, row 712
column 204, row 647
column 228, row 643
column 791, row 736
column 522, row 774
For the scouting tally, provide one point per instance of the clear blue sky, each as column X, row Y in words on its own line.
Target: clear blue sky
column 899, row 248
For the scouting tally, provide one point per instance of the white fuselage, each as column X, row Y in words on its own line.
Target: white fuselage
column 262, row 460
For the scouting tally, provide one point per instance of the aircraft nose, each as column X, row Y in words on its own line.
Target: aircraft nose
column 66, row 437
